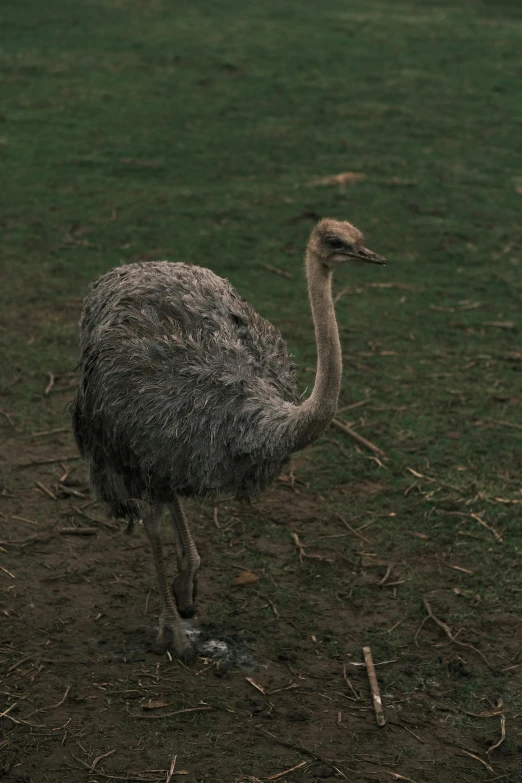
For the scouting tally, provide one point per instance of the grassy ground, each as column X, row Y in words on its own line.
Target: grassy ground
column 133, row 130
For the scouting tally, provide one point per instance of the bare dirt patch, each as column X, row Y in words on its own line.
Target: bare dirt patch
column 86, row 697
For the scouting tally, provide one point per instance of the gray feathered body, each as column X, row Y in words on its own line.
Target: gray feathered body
column 183, row 389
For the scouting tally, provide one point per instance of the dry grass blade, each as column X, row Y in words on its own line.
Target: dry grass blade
column 359, row 438
column 502, row 735
column 450, row 636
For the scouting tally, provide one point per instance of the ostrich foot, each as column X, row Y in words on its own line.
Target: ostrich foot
column 185, row 588
column 170, row 634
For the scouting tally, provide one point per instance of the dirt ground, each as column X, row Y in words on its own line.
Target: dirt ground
column 87, row 697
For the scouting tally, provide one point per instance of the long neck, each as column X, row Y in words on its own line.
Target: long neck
column 314, row 414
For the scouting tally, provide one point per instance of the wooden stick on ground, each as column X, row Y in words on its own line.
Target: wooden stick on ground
column 359, row 438
column 374, row 686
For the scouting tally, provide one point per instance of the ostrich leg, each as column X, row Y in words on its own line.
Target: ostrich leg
column 169, row 619
column 185, row 584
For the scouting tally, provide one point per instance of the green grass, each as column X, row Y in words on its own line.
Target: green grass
column 134, row 130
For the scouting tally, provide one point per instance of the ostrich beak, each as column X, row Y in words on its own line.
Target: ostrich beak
column 367, row 256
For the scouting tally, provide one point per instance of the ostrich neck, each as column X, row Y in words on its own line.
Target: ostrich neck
column 315, row 413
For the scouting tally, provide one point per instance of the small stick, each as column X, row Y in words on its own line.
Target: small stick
column 359, row 438
column 49, row 432
column 386, row 575
column 270, row 603
column 502, row 735
column 50, row 385
column 5, row 712
column 171, row 770
column 24, row 519
column 170, row 714
column 450, row 636
column 277, row 271
column 19, row 663
column 303, row 553
column 58, row 703
column 474, row 756
column 374, row 686
column 256, row 686
column 48, row 461
column 7, row 572
column 354, row 405
column 349, row 684
column 93, row 519
column 505, row 423
column 410, row 732
column 8, row 417
column 351, row 529
column 78, row 531
column 103, row 756
column 45, row 490
column 287, row 771
column 491, row 529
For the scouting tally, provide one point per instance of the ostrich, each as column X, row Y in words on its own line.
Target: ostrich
column 185, row 391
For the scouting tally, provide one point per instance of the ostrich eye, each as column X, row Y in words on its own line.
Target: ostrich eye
column 334, row 242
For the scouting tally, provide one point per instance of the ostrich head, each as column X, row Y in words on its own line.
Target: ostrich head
column 335, row 242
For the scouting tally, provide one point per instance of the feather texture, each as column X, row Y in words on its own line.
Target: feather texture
column 184, row 388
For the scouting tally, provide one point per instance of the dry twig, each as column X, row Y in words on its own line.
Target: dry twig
column 359, row 438
column 48, row 461
column 54, row 706
column 277, row 271
column 78, row 531
column 474, row 756
column 50, row 432
column 349, row 684
column 450, row 636
column 171, row 714
column 374, row 686
column 50, row 385
column 287, row 771
column 302, row 552
column 45, row 490
column 103, row 756
column 502, row 735
column 171, row 769
column 351, row 529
